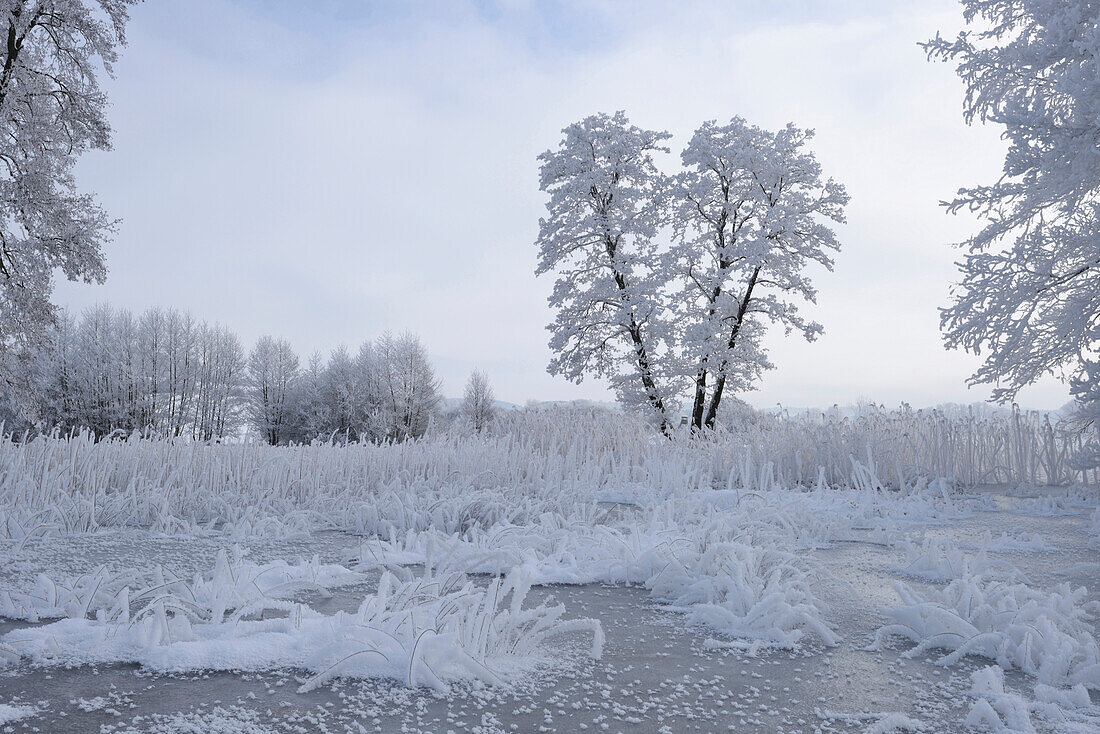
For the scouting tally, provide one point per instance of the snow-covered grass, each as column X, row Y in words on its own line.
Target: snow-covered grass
column 1046, row 634
column 234, row 583
column 425, row 631
column 531, row 462
column 723, row 531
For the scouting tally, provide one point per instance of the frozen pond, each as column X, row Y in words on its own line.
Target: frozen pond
column 656, row 674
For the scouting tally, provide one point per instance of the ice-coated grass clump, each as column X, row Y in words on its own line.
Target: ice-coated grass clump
column 940, row 559
column 725, row 570
column 1045, row 634
column 426, row 631
column 745, row 592
column 233, row 583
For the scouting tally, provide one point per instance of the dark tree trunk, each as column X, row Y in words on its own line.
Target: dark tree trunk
column 634, row 329
column 720, row 384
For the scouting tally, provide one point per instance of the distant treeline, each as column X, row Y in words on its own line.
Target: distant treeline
column 163, row 373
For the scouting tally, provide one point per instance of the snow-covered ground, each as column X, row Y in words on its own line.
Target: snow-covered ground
column 566, row 571
column 781, row 611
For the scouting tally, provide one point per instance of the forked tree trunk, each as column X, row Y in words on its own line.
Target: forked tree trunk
column 720, row 384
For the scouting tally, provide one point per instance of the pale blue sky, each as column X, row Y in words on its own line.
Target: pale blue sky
column 326, row 171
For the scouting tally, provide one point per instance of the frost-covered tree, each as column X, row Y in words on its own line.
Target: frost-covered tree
column 342, row 394
column 220, row 369
column 52, row 110
column 387, row 392
column 408, row 390
column 272, row 380
column 477, row 401
column 314, row 415
column 109, row 371
column 751, row 211
column 1029, row 299
column 367, row 414
column 598, row 236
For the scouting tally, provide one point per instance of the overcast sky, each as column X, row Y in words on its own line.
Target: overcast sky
column 329, row 170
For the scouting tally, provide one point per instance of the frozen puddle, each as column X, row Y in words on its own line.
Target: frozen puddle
column 655, row 675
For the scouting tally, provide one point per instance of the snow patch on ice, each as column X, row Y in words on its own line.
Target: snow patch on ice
column 10, row 713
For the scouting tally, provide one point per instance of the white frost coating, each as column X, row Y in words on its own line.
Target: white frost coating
column 995, row 709
column 424, row 632
column 1048, row 635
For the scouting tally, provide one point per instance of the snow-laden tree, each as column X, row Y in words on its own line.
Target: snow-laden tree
column 408, row 390
column 342, row 394
column 477, row 402
column 314, row 415
column 110, row 371
column 1029, row 299
column 272, row 380
column 387, row 392
column 598, row 236
column 218, row 385
column 750, row 212
column 368, row 380
column 52, row 110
